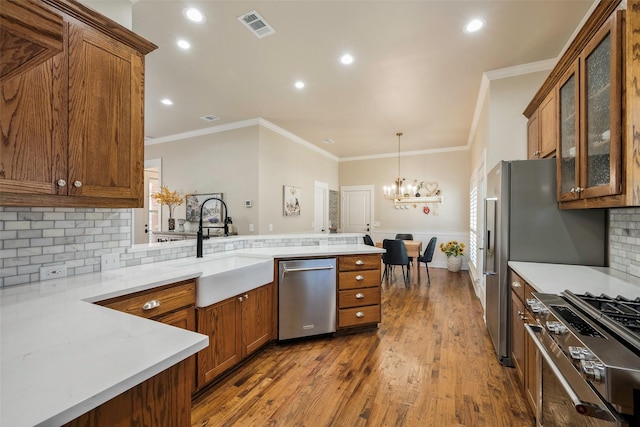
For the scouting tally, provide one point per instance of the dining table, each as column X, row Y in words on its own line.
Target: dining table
column 414, row 250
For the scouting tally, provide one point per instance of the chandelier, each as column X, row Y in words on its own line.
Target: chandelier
column 411, row 194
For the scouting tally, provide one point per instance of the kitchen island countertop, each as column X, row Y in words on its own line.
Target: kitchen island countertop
column 579, row 279
column 61, row 355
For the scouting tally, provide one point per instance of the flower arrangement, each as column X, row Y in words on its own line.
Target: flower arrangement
column 452, row 248
column 169, row 198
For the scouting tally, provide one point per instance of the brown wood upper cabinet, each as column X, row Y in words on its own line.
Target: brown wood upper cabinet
column 589, row 160
column 597, row 110
column 542, row 130
column 73, row 131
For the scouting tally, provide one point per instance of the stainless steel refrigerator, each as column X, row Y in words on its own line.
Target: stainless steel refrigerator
column 523, row 223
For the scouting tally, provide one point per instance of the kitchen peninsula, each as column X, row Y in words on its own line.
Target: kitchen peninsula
column 62, row 355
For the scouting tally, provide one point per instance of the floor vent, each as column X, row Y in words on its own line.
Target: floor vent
column 257, row 24
column 210, row 118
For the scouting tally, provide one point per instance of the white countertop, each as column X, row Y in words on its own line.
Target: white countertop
column 555, row 278
column 61, row 355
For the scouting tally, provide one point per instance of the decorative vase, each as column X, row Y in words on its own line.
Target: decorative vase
column 172, row 224
column 454, row 263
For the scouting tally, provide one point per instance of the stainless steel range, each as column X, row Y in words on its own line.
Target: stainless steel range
column 588, row 359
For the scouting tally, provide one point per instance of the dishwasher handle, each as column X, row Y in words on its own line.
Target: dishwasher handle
column 295, row 270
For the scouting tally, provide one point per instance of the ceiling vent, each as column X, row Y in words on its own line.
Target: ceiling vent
column 210, row 118
column 257, row 24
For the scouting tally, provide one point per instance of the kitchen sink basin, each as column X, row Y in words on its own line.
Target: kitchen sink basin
column 227, row 276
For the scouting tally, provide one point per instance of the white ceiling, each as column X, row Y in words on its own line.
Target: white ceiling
column 415, row 69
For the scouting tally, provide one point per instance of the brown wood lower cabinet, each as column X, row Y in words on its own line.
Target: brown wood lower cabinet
column 359, row 295
column 523, row 349
column 162, row 400
column 236, row 327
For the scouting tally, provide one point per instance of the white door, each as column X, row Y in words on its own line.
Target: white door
column 320, row 207
column 357, row 208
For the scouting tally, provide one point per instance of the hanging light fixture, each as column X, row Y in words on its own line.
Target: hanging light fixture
column 403, row 195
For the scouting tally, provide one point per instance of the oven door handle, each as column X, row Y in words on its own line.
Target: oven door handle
column 587, row 409
column 575, row 400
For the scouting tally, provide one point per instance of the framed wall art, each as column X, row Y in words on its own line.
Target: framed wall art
column 212, row 211
column 291, row 201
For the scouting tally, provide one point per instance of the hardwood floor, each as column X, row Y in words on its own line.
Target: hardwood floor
column 430, row 363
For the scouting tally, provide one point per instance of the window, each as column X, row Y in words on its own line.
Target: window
column 473, row 223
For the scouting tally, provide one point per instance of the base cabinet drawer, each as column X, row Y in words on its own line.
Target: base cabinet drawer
column 359, row 297
column 359, row 316
column 359, row 279
column 359, row 262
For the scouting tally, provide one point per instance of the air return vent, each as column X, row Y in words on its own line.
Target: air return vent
column 257, row 24
column 210, row 118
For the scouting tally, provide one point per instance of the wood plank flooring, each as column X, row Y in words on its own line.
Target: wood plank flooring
column 430, row 363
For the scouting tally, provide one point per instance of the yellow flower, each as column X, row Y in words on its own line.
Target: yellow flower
column 452, row 248
column 169, row 198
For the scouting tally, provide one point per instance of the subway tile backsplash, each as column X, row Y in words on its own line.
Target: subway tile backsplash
column 34, row 237
column 624, row 240
column 77, row 237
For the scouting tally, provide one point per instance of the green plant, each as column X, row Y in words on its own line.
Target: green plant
column 452, row 248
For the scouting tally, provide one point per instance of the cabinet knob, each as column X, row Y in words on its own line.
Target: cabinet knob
column 246, row 296
column 359, row 277
column 573, row 190
column 516, row 284
column 359, row 262
column 150, row 305
column 61, row 183
column 359, row 295
column 359, row 314
column 579, row 189
column 77, row 184
column 240, row 299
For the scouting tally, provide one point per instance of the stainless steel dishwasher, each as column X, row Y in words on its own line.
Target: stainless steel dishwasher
column 307, row 298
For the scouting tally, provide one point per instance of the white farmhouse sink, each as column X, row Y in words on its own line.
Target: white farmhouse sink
column 227, row 276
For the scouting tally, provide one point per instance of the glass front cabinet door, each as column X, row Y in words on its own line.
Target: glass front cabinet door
column 590, row 113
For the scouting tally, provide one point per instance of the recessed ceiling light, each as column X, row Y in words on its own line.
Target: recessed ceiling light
column 299, row 84
column 346, row 59
column 167, row 101
column 183, row 44
column 475, row 25
column 328, row 141
column 193, row 14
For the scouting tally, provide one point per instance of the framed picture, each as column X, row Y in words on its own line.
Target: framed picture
column 212, row 211
column 291, row 201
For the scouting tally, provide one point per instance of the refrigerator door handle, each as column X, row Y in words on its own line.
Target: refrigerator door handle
column 490, row 209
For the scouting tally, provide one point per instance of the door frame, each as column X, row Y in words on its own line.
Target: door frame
column 150, row 163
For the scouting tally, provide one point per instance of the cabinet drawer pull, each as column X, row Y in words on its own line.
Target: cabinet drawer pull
column 150, row 305
column 359, row 295
column 61, row 183
column 516, row 284
column 359, row 262
column 359, row 314
column 359, row 277
column 77, row 184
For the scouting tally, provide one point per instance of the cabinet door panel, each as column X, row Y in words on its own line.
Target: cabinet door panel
column 568, row 164
column 600, row 115
column 548, row 127
column 105, row 115
column 221, row 323
column 184, row 319
column 257, row 319
column 517, row 336
column 33, row 154
column 532, row 137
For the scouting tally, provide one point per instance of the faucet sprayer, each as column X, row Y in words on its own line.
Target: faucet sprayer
column 224, row 225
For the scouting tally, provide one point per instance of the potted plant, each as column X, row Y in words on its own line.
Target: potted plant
column 454, row 252
column 171, row 199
